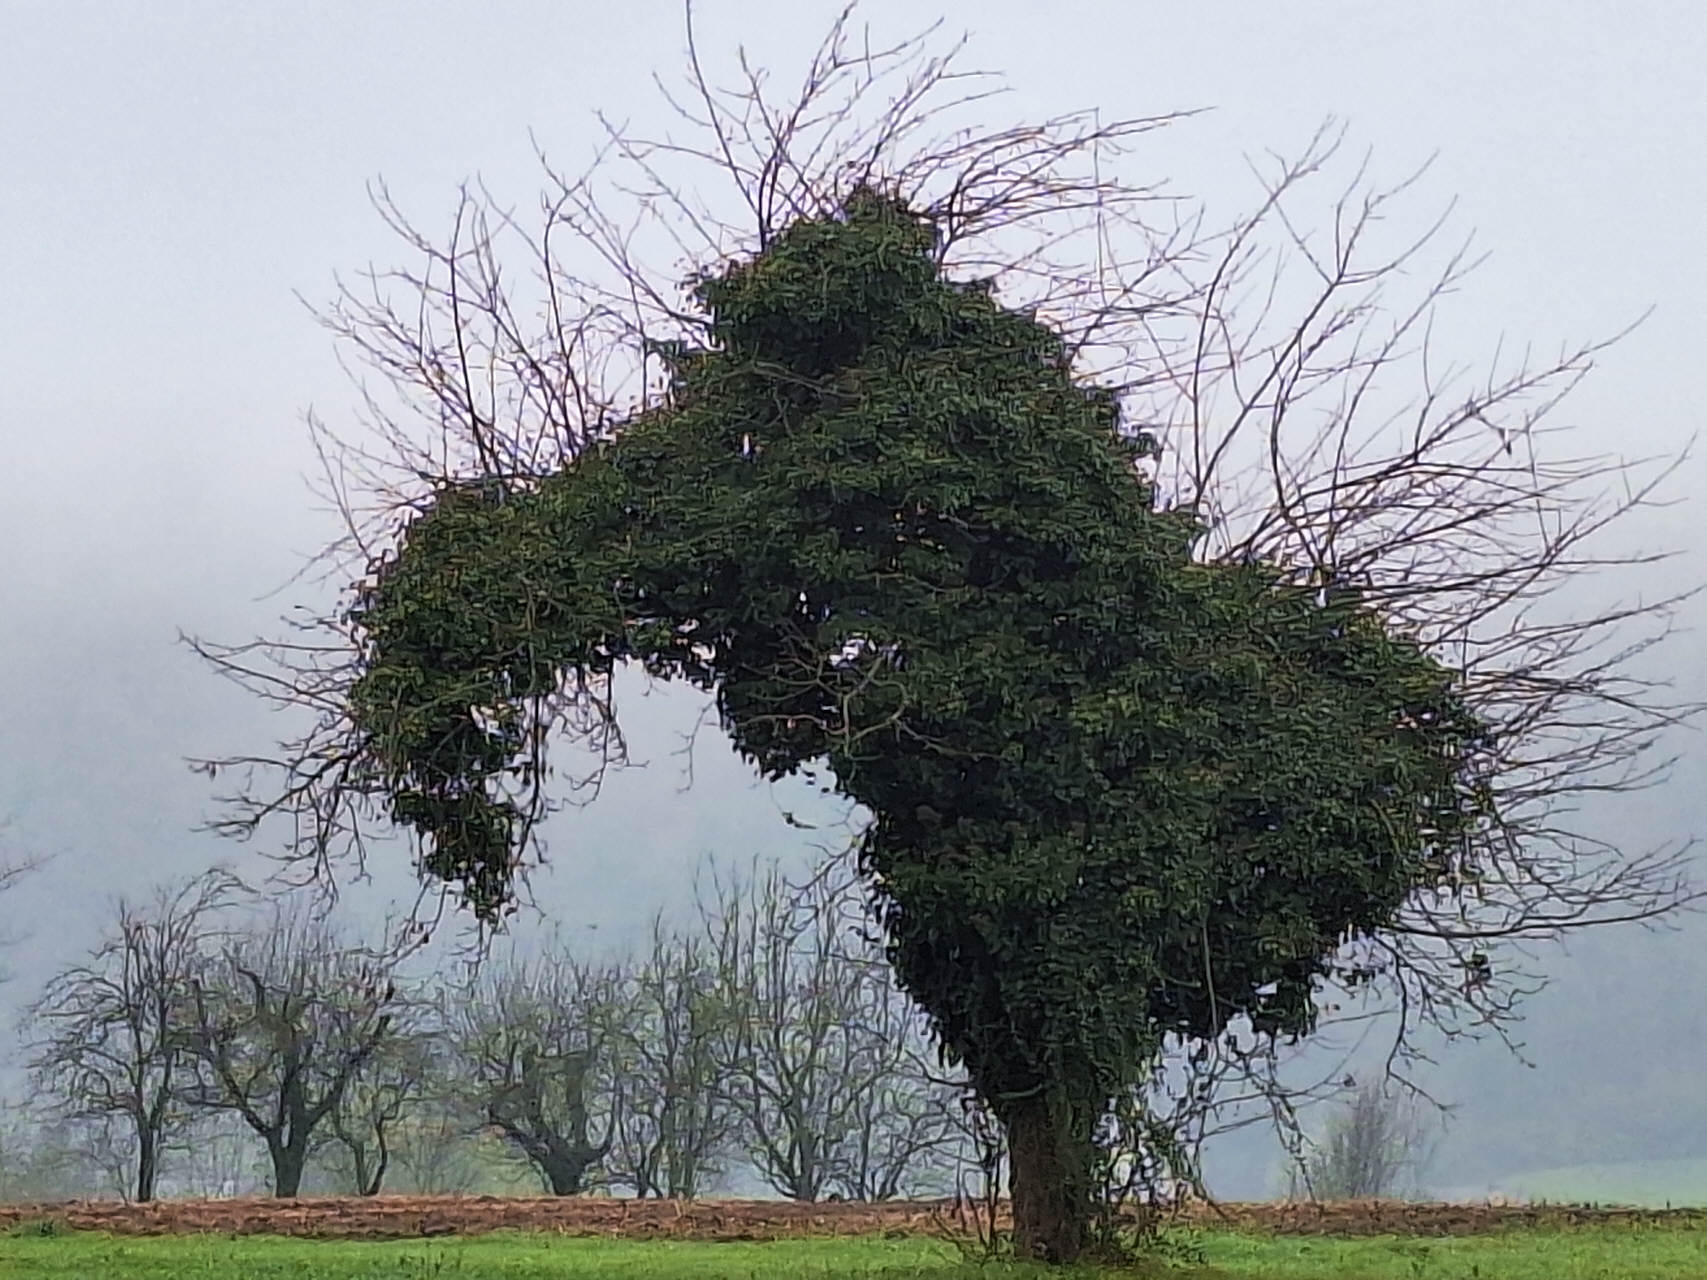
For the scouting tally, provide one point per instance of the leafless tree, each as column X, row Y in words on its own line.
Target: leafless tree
column 280, row 1024
column 433, row 1147
column 909, row 1128
column 822, row 1059
column 535, row 1039
column 1291, row 359
column 384, row 1092
column 112, row 1030
column 222, row 1157
column 1371, row 1143
column 13, row 869
column 677, row 1125
column 904, row 1137
column 62, row 1158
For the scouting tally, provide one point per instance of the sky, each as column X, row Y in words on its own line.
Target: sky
column 173, row 177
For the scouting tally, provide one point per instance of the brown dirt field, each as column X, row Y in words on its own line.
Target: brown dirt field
column 394, row 1217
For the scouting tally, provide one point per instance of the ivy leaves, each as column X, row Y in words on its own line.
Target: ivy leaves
column 1118, row 794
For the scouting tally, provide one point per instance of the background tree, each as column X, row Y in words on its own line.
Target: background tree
column 536, row 1043
column 905, row 1136
column 386, row 1091
column 820, row 1053
column 434, row 1148
column 924, row 539
column 13, row 869
column 826, row 1059
column 677, row 1126
column 1370, row 1147
column 112, row 1040
column 53, row 1157
column 221, row 1158
column 280, row 1024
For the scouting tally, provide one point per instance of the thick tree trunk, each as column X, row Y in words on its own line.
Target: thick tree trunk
column 566, row 1174
column 288, row 1162
column 1049, row 1177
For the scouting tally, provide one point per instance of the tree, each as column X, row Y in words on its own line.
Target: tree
column 433, row 1149
column 1368, row 1147
column 12, row 871
column 280, row 1025
column 820, row 1053
column 677, row 1122
column 385, row 1090
column 434, row 1146
column 62, row 1159
column 220, row 1159
column 113, row 1028
column 942, row 573
column 535, row 1042
column 1160, row 747
column 905, row 1132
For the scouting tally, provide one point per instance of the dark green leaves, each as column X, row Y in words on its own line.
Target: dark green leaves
column 1118, row 795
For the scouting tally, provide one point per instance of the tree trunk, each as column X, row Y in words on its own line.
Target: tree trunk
column 566, row 1174
column 288, row 1161
column 147, row 1165
column 1049, row 1177
column 370, row 1185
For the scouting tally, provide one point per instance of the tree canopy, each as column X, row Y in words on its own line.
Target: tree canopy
column 1118, row 793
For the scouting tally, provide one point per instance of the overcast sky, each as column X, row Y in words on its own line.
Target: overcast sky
column 171, row 173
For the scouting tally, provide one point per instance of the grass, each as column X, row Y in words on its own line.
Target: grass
column 1621, row 1253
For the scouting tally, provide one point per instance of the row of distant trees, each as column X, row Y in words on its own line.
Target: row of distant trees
column 210, row 1037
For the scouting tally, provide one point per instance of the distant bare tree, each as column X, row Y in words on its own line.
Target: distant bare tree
column 535, row 1039
column 111, row 1041
column 676, row 1119
column 823, row 1060
column 61, row 1159
column 221, row 1158
column 1370, row 1144
column 433, row 1148
column 13, row 869
column 384, row 1089
column 281, row 1023
column 904, row 1135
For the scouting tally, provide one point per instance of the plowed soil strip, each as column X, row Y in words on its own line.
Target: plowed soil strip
column 399, row 1217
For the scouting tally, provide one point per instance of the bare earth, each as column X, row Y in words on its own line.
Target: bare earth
column 393, row 1217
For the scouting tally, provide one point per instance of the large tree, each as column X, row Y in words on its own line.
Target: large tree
column 1117, row 794
column 1154, row 743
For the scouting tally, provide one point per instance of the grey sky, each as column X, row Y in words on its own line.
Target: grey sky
column 170, row 173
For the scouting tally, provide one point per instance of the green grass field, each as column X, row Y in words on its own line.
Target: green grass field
column 1609, row 1253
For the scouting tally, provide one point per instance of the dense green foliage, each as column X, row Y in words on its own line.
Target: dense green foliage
column 1117, row 794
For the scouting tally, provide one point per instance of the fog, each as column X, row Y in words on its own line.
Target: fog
column 173, row 175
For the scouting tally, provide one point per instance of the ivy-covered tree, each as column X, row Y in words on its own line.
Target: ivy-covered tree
column 1151, row 746
column 1117, row 794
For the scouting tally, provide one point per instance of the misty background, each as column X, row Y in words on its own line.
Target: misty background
column 171, row 175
